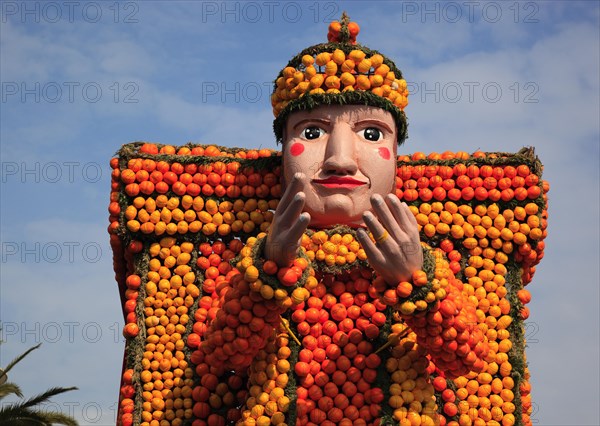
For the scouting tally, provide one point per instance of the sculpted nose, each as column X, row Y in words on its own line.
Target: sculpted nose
column 340, row 154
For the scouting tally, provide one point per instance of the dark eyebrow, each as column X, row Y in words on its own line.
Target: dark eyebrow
column 374, row 121
column 311, row 120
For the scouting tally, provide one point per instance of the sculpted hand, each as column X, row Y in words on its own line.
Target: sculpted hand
column 397, row 252
column 289, row 223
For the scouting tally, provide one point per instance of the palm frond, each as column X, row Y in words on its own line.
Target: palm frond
column 28, row 412
column 10, row 389
column 43, row 397
column 22, row 422
column 20, row 357
column 16, row 415
column 53, row 418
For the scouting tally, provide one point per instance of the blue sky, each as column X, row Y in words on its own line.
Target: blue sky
column 81, row 79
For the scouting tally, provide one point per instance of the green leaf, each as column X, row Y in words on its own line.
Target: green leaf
column 43, row 397
column 20, row 357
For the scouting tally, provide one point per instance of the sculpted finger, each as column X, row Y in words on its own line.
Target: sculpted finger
column 299, row 227
column 373, row 253
column 387, row 218
column 404, row 217
column 395, row 207
column 385, row 244
column 292, row 189
column 383, row 239
column 412, row 245
column 285, row 248
column 413, row 228
column 291, row 213
column 373, row 224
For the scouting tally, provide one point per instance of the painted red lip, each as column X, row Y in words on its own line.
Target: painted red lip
column 339, row 182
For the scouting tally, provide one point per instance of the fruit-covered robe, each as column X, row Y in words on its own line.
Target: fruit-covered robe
column 328, row 342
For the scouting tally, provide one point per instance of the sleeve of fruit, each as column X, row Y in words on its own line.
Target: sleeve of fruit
column 426, row 286
column 250, row 310
column 288, row 286
column 442, row 317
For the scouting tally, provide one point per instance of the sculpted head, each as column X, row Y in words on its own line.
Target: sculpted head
column 347, row 154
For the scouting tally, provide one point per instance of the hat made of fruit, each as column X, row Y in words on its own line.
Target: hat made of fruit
column 340, row 72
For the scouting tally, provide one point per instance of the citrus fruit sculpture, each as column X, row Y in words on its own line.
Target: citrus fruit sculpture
column 183, row 225
column 216, row 334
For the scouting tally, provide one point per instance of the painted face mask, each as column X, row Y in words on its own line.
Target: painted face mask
column 348, row 153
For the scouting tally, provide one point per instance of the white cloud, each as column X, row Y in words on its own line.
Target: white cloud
column 124, row 57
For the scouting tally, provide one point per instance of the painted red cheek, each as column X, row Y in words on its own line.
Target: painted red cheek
column 384, row 153
column 297, row 149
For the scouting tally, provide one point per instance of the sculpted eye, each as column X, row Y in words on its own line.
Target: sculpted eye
column 372, row 134
column 312, row 132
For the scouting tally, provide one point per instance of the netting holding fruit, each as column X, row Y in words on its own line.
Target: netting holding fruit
column 184, row 222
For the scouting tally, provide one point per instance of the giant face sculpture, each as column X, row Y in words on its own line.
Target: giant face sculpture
column 347, row 153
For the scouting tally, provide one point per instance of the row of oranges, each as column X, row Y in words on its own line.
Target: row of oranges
column 204, row 151
column 448, row 332
column 179, row 215
column 229, row 339
column 220, row 179
column 465, row 183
